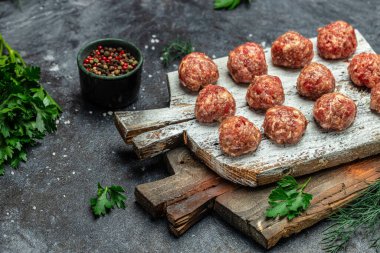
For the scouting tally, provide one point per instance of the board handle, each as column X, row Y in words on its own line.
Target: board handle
column 155, row 142
column 132, row 123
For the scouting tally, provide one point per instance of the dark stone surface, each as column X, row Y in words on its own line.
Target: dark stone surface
column 45, row 204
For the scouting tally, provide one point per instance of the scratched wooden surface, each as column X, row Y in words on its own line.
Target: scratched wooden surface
column 317, row 150
column 192, row 191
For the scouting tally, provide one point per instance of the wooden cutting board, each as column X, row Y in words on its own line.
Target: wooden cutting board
column 193, row 191
column 155, row 131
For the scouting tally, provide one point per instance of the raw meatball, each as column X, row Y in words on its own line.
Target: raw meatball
column 284, row 124
column 336, row 40
column 315, row 80
column 247, row 61
column 364, row 69
column 292, row 50
column 197, row 70
column 265, row 92
column 334, row 111
column 214, row 103
column 375, row 98
column 238, row 136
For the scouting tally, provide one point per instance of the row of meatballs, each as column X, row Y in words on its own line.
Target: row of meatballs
column 282, row 124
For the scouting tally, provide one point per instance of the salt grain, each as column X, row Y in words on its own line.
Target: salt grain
column 150, row 76
column 146, row 46
column 157, row 40
column 153, row 48
column 57, row 122
column 154, row 36
column 104, row 114
column 110, row 113
column 12, row 173
column 152, row 41
column 53, row 153
column 214, row 56
column 67, row 122
column 64, row 155
column 34, row 207
column 250, row 35
column 90, row 112
column 161, row 58
column 73, row 172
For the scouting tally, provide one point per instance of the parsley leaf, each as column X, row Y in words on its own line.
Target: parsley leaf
column 227, row 4
column 27, row 112
column 107, row 198
column 288, row 199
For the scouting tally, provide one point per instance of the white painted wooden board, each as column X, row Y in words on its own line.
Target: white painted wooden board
column 317, row 150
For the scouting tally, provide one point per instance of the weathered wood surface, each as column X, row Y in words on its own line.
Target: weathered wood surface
column 316, row 151
column 190, row 177
column 193, row 191
column 333, row 188
column 133, row 123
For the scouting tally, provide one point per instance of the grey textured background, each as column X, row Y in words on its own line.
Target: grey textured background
column 44, row 205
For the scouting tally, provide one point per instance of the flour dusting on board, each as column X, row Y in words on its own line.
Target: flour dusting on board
column 317, row 149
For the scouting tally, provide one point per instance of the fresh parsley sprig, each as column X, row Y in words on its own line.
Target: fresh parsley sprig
column 107, row 198
column 227, row 4
column 27, row 112
column 176, row 50
column 363, row 213
column 288, row 199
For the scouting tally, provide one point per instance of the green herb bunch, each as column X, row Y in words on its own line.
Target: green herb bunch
column 175, row 50
column 227, row 4
column 288, row 199
column 363, row 213
column 107, row 198
column 27, row 112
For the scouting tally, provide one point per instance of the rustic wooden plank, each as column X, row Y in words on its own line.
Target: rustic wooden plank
column 316, row 151
column 155, row 142
column 133, row 123
column 190, row 178
column 244, row 208
column 184, row 214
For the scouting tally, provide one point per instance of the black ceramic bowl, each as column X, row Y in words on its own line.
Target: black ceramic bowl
column 110, row 92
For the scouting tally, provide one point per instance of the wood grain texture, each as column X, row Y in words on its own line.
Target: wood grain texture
column 316, row 151
column 155, row 142
column 133, row 123
column 194, row 191
column 190, row 177
column 244, row 208
column 153, row 132
column 185, row 213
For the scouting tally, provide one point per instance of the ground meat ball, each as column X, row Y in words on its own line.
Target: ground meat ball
column 334, row 111
column 375, row 98
column 197, row 70
column 336, row 40
column 364, row 69
column 284, row 124
column 247, row 61
column 315, row 80
column 265, row 92
column 292, row 50
column 214, row 103
column 238, row 136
